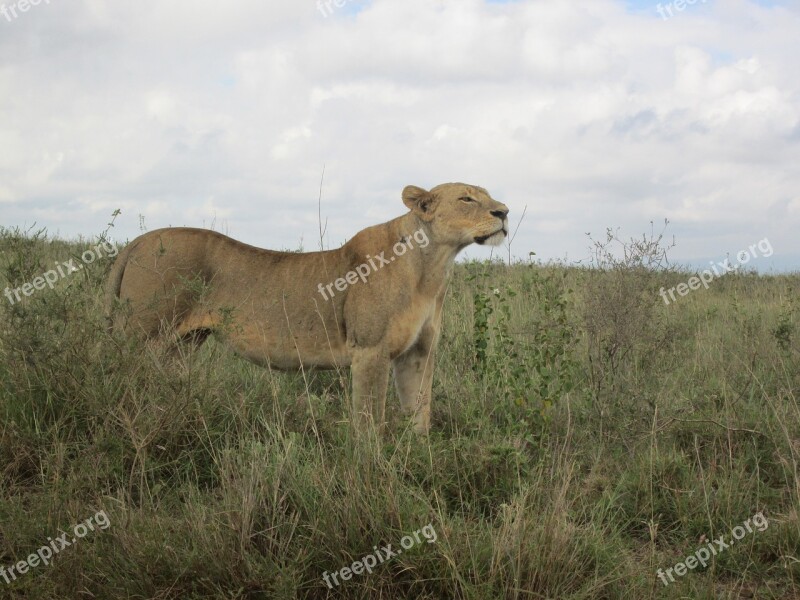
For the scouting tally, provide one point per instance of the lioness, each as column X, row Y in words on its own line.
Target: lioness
column 284, row 309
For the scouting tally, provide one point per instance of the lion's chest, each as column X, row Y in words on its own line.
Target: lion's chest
column 404, row 327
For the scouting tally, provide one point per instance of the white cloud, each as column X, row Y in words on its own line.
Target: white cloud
column 590, row 114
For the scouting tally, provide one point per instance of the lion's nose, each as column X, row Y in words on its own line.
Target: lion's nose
column 500, row 213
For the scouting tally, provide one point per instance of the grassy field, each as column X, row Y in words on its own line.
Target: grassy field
column 585, row 435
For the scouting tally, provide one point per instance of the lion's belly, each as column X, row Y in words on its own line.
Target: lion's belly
column 279, row 349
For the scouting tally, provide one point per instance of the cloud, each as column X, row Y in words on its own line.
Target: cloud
column 592, row 113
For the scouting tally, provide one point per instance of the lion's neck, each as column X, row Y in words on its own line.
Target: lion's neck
column 437, row 259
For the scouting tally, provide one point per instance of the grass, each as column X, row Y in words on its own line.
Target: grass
column 584, row 436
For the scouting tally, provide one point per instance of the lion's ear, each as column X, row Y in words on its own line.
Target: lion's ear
column 420, row 201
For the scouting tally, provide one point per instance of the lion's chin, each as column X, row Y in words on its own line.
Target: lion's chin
column 493, row 239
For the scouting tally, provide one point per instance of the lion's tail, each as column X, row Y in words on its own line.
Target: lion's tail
column 114, row 283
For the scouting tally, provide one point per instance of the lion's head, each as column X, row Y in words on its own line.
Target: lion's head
column 459, row 214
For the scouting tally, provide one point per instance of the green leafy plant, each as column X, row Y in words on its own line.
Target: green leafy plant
column 785, row 329
column 531, row 368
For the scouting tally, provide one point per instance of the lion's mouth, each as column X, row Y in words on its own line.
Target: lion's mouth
column 481, row 239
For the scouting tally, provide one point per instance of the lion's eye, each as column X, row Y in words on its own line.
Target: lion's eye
column 467, row 199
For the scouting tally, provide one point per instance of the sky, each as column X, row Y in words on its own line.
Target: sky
column 585, row 114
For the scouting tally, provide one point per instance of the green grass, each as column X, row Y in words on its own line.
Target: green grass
column 584, row 435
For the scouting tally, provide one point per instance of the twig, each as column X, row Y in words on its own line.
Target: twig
column 524, row 210
column 712, row 421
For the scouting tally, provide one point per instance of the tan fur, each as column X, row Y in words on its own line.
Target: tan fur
column 266, row 305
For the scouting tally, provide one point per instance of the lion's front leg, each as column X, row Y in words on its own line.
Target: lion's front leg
column 370, row 372
column 413, row 377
